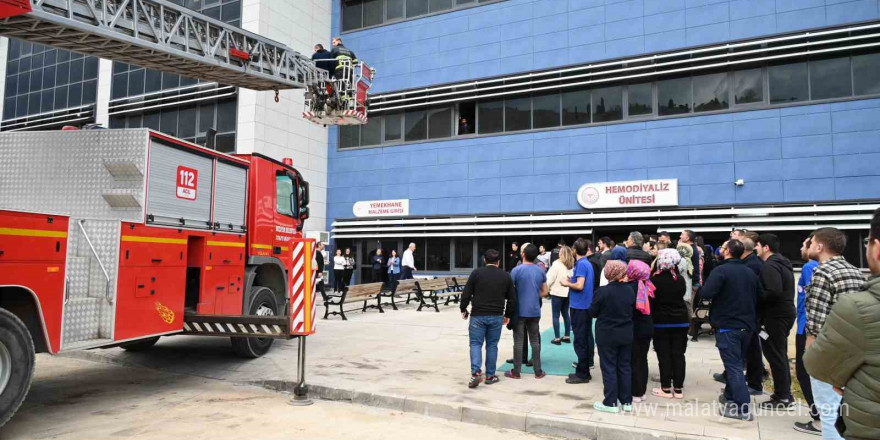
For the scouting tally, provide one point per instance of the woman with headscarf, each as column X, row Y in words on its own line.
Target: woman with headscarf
column 686, row 271
column 638, row 275
column 613, row 307
column 670, row 323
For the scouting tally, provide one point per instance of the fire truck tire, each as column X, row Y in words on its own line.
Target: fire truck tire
column 142, row 345
column 263, row 303
column 16, row 364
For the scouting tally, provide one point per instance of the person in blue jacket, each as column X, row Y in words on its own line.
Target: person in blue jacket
column 613, row 307
column 814, row 426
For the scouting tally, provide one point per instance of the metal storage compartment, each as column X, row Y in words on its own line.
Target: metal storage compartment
column 179, row 186
column 230, row 193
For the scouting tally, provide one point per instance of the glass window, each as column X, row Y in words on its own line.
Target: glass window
column 416, row 7
column 91, row 68
column 187, row 123
column 518, row 114
column 711, row 92
column 416, row 125
column 371, row 132
column 545, row 110
column 226, row 116
column 34, row 102
column 135, row 82
column 392, row 126
column 788, row 83
column 748, row 86
column 490, row 117
column 865, row 74
column 830, row 78
column 464, row 2
column 60, row 97
column 674, row 96
column 74, row 95
column 349, row 136
column 151, row 120
column 576, row 107
column 440, row 123
column 170, row 80
column 393, row 9
column 76, row 70
column 440, row 5
column 464, row 253
column 607, row 104
column 153, row 81
column 47, row 100
column 206, row 117
column 438, row 254
column 352, row 14
column 486, row 243
column 641, row 99
column 283, row 194
column 119, row 86
column 48, row 77
column 225, row 143
column 90, row 91
column 372, row 12
column 168, row 122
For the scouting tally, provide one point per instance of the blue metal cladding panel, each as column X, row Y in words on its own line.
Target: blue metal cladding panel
column 523, row 35
column 798, row 154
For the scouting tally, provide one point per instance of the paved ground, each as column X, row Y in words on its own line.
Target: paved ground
column 75, row 399
column 422, row 357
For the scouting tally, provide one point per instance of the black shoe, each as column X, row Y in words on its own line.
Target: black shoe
column 719, row 377
column 566, row 339
column 575, row 379
column 755, row 392
column 529, row 363
column 491, row 379
column 509, row 361
column 475, row 380
column 775, row 403
column 722, row 400
column 731, row 411
column 556, row 341
column 807, row 427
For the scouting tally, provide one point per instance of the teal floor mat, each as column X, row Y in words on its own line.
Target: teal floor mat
column 555, row 359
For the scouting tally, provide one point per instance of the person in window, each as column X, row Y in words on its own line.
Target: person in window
column 376, row 262
column 513, row 257
column 349, row 267
column 393, row 268
column 463, row 127
column 324, row 60
column 339, row 271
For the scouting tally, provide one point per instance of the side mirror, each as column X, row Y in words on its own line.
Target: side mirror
column 303, row 215
column 303, row 193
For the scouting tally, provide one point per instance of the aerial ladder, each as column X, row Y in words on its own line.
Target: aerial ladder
column 160, row 35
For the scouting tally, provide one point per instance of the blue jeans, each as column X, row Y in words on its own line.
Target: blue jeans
column 560, row 306
column 732, row 346
column 488, row 329
column 828, row 404
column 582, row 325
column 614, row 360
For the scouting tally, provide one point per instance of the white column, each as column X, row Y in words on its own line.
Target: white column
column 4, row 53
column 105, row 79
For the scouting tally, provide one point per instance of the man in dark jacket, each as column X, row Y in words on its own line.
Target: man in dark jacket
column 776, row 315
column 491, row 294
column 605, row 246
column 323, row 60
column 594, row 259
column 513, row 257
column 634, row 249
column 341, row 53
column 554, row 254
column 733, row 290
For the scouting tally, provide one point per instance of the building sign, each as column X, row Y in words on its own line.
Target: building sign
column 629, row 194
column 381, row 208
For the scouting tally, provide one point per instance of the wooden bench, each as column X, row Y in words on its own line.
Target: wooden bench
column 393, row 290
column 434, row 290
column 353, row 294
column 701, row 316
column 460, row 282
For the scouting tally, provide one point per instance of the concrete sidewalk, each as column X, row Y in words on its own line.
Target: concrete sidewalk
column 418, row 362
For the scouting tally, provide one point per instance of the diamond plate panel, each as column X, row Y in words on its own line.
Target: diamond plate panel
column 88, row 315
column 64, row 172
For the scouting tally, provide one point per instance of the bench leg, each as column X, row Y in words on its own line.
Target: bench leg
column 379, row 303
column 326, row 310
column 448, row 298
column 434, row 300
column 393, row 305
column 342, row 312
column 364, row 309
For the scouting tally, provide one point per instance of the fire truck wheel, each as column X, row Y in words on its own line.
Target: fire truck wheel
column 16, row 364
column 264, row 304
column 142, row 345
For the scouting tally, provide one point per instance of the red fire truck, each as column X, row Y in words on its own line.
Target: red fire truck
column 117, row 237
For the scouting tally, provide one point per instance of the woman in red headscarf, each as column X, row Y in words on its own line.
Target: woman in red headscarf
column 638, row 274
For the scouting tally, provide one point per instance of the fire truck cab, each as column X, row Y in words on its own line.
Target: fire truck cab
column 117, row 237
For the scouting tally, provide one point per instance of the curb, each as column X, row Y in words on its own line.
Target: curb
column 534, row 423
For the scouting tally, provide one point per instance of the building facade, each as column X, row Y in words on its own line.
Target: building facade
column 46, row 88
column 763, row 113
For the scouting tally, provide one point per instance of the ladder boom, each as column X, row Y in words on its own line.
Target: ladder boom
column 161, row 35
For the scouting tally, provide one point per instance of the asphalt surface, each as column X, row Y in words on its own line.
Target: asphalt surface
column 79, row 399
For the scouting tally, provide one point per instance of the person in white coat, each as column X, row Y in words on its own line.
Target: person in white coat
column 561, row 269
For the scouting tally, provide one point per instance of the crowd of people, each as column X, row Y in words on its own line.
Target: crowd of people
column 643, row 293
